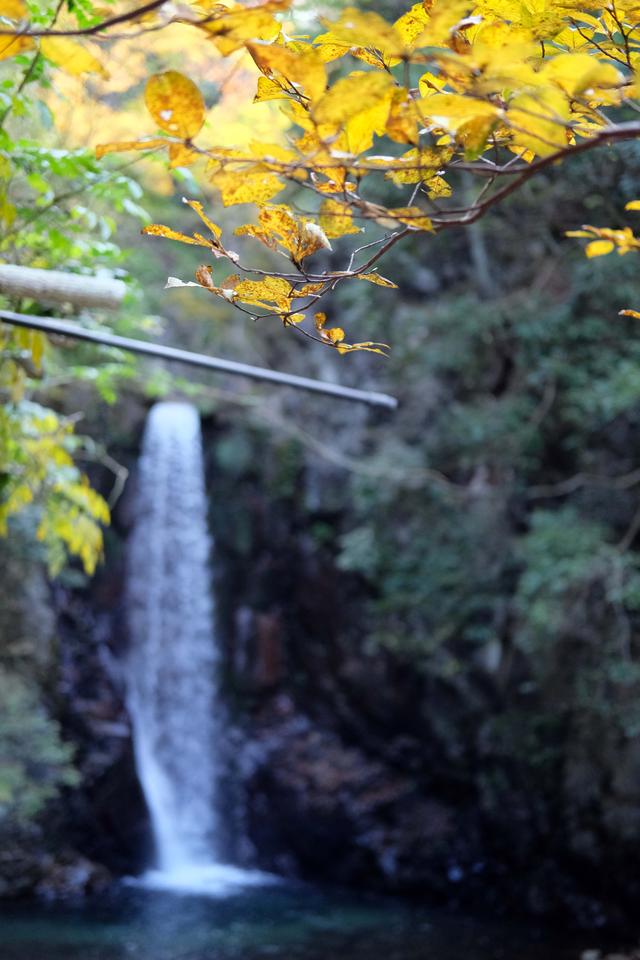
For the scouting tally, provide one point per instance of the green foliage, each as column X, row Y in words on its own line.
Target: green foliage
column 441, row 571
column 564, row 556
column 58, row 209
column 34, row 761
column 498, row 539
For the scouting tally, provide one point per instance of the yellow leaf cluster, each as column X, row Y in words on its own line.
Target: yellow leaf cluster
column 254, row 186
column 607, row 240
column 230, row 27
column 37, row 443
column 336, row 218
column 279, row 227
column 302, row 74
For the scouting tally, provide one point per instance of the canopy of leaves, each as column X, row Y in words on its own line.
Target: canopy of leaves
column 389, row 123
column 496, row 88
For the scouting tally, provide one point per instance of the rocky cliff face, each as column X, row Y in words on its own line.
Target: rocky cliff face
column 39, row 767
column 360, row 766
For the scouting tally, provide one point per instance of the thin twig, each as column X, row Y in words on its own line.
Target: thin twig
column 89, row 31
column 624, row 482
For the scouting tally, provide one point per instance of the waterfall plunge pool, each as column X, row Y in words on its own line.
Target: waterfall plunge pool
column 279, row 922
column 178, row 729
column 215, row 879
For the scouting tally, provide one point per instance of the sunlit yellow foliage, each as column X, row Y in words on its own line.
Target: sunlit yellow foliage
column 12, row 46
column 37, row 468
column 501, row 86
column 175, row 103
column 497, row 88
column 92, row 109
column 13, row 9
column 72, row 57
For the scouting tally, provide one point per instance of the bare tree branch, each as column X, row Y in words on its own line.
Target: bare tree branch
column 127, row 17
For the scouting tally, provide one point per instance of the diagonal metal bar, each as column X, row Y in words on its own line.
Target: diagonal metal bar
column 66, row 329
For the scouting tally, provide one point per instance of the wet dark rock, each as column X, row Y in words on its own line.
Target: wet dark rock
column 71, row 876
column 107, row 817
column 345, row 817
column 34, row 864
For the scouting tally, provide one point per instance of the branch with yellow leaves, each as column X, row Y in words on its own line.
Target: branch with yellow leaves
column 450, row 86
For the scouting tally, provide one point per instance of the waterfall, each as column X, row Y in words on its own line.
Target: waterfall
column 171, row 665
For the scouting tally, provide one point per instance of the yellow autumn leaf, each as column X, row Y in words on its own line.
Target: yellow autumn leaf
column 246, row 186
column 102, row 149
column 12, row 46
column 364, row 29
column 332, row 186
column 438, row 188
column 260, row 293
column 221, row 156
column 159, row 230
column 539, row 122
column 335, row 334
column 328, row 50
column 269, row 90
column 361, row 128
column 416, row 165
column 308, row 289
column 336, row 219
column 405, row 120
column 577, row 72
column 412, row 24
column 599, row 248
column 182, row 155
column 175, row 103
column 234, row 26
column 279, row 226
column 197, row 206
column 332, row 335
column 445, row 20
column 13, row 9
column 633, row 205
column 350, row 95
column 412, row 217
column 304, row 73
column 543, row 17
column 70, row 56
column 430, row 83
column 377, row 279
column 275, row 157
column 450, row 111
column 629, row 313
column 368, row 346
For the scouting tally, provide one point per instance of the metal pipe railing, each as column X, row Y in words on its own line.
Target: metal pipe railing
column 64, row 328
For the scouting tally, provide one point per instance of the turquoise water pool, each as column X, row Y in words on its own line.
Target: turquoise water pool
column 292, row 922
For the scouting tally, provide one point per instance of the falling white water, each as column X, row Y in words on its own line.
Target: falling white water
column 172, row 662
